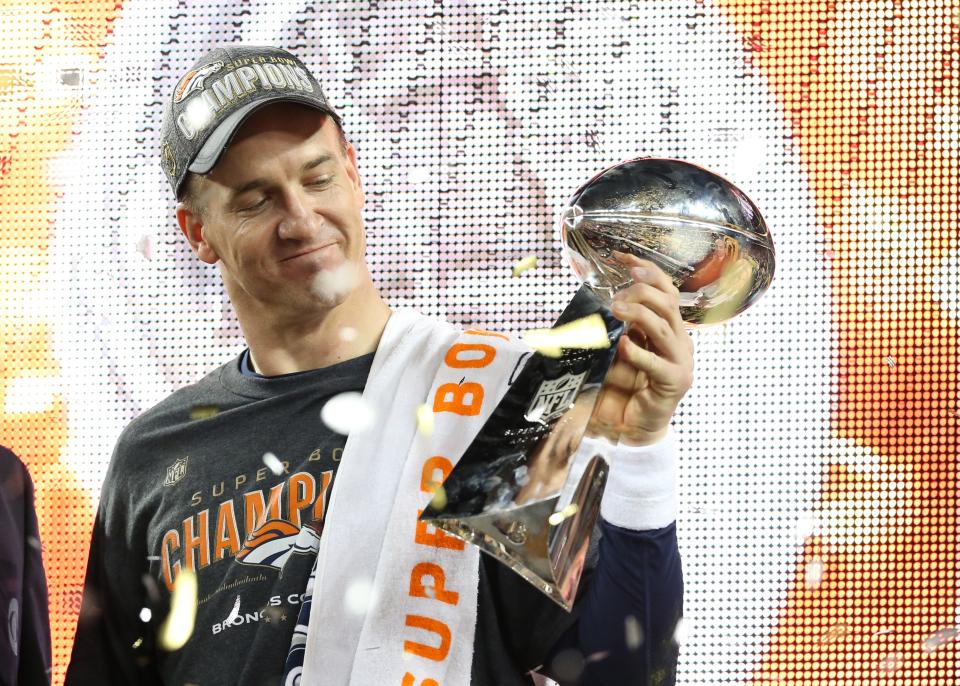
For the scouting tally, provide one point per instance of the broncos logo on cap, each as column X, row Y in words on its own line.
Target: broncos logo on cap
column 193, row 80
column 275, row 541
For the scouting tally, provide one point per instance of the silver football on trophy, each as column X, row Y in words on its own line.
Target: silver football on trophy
column 704, row 232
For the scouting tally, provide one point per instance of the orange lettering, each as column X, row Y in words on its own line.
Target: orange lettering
column 171, row 542
column 437, row 627
column 453, row 358
column 302, row 492
column 228, row 541
column 408, row 680
column 253, row 507
column 484, row 332
column 320, row 504
column 434, row 571
column 450, row 398
column 436, row 538
column 198, row 541
column 437, row 463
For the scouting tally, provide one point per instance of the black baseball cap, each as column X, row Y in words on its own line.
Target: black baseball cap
column 218, row 93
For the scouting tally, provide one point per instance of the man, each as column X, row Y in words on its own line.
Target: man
column 233, row 477
column 25, row 635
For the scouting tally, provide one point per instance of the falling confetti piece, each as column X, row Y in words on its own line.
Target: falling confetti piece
column 597, row 656
column 939, row 637
column 425, row 423
column 273, row 463
column 178, row 626
column 586, row 332
column 813, row 573
column 145, row 247
column 145, row 614
column 348, row 334
column 418, row 175
column 204, row 412
column 526, row 264
column 890, row 361
column 681, row 632
column 567, row 512
column 138, row 642
column 347, row 412
column 438, row 501
column 883, row 632
column 234, row 613
column 359, row 596
column 834, row 633
column 890, row 664
column 567, row 665
column 536, row 414
column 633, row 633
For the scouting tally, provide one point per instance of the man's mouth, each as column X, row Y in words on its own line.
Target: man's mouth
column 309, row 251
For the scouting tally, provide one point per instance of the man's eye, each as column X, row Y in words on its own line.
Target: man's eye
column 319, row 183
column 253, row 207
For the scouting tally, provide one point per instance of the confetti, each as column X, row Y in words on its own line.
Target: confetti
column 359, row 596
column 178, row 626
column 138, row 643
column 145, row 247
column 597, row 656
column 567, row 665
column 813, row 573
column 939, row 637
column 418, row 175
column 567, row 512
column 527, row 263
column 890, row 664
column 438, row 501
column 890, row 361
column 586, row 332
column 204, row 412
column 145, row 614
column 681, row 632
column 273, row 463
column 834, row 633
column 348, row 334
column 633, row 633
column 535, row 415
column 425, row 423
column 347, row 412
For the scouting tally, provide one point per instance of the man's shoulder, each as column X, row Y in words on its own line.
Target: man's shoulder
column 197, row 401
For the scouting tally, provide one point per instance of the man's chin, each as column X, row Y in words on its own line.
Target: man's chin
column 332, row 286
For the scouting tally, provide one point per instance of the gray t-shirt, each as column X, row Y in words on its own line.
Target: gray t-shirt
column 189, row 487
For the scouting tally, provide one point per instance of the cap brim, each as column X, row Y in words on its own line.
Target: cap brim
column 221, row 136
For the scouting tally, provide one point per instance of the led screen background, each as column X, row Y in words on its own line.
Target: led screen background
column 819, row 443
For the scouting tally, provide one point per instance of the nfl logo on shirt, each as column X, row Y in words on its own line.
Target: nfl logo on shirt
column 176, row 471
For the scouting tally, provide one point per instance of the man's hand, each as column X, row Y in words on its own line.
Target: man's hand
column 653, row 368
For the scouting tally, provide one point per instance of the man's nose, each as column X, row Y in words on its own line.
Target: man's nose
column 299, row 221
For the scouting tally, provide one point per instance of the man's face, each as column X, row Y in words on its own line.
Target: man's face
column 281, row 213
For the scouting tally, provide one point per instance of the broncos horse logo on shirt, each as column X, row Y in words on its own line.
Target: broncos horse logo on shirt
column 273, row 543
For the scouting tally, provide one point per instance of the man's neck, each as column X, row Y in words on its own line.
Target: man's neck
column 297, row 344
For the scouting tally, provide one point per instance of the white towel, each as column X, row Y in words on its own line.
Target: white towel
column 388, row 609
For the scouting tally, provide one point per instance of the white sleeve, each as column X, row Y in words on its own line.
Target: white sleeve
column 641, row 491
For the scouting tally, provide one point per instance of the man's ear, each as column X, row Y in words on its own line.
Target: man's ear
column 354, row 172
column 191, row 224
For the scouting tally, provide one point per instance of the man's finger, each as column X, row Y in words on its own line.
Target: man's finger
column 665, row 303
column 659, row 371
column 658, row 330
